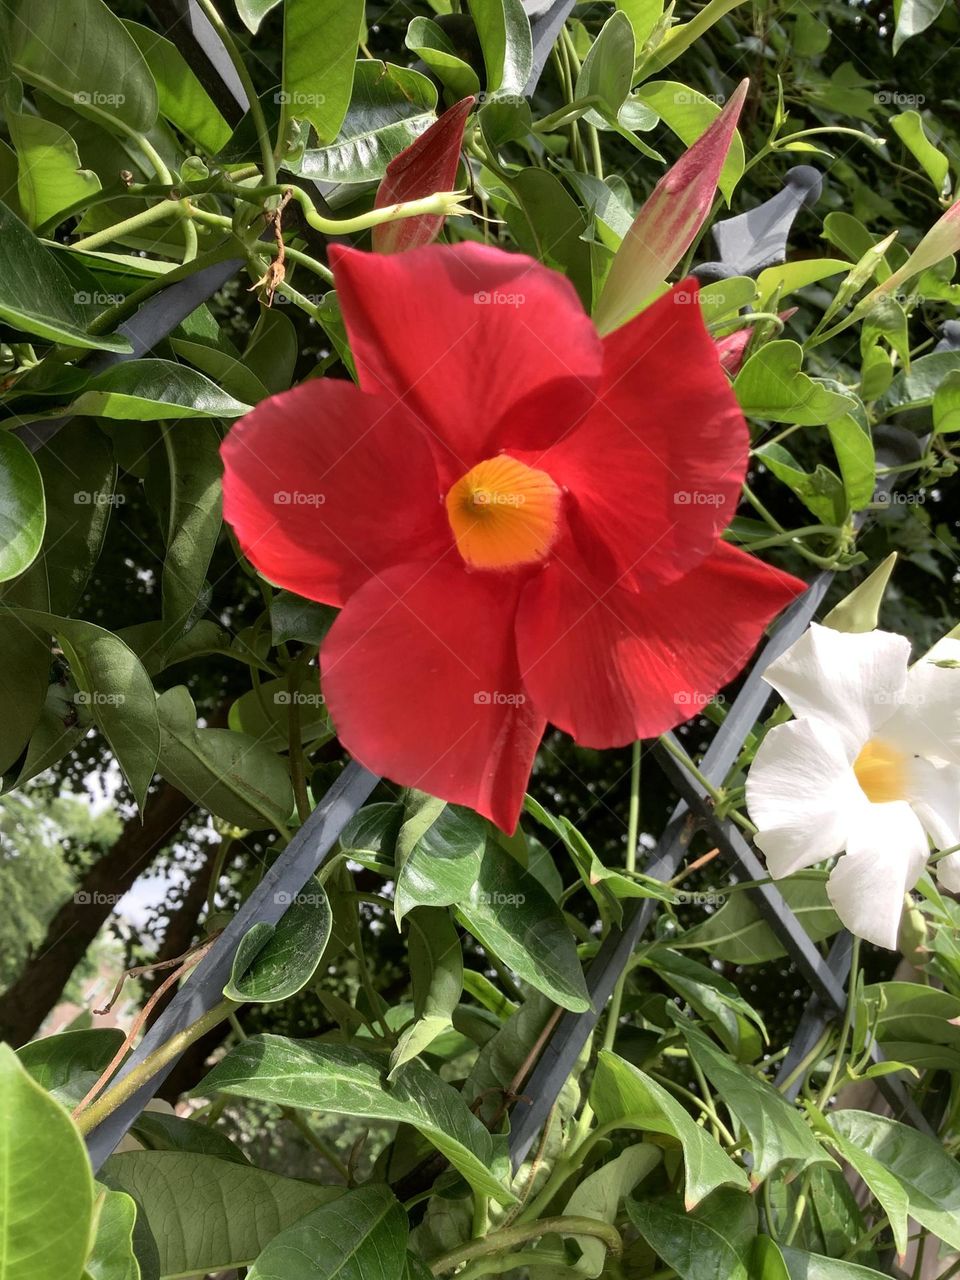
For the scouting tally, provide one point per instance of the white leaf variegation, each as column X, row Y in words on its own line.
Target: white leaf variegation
column 870, row 770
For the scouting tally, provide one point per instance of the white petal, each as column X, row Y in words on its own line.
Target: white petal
column 885, row 858
column 802, row 795
column 928, row 721
column 934, row 794
column 948, row 872
column 853, row 681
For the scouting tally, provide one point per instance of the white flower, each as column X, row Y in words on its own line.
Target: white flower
column 869, row 769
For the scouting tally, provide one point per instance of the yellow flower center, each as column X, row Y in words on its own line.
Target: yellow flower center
column 503, row 513
column 881, row 771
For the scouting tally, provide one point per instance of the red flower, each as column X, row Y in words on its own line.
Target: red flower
column 520, row 519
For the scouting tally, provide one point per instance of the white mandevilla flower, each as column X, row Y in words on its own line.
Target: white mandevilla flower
column 869, row 769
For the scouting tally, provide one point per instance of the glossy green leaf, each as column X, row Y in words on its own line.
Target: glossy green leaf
column 504, row 31
column 607, row 70
column 22, row 508
column 86, row 59
column 738, row 934
column 390, row 106
column 890, row 1195
column 436, row 975
column 160, row 1131
column 913, row 17
column 766, row 1261
column 112, row 1256
column 776, row 1131
column 371, row 834
column 294, row 618
column 510, row 912
column 623, row 1094
column 821, row 491
column 225, row 1213
column 348, row 1081
column 38, row 296
column 439, row 854
column 772, row 386
column 431, row 43
column 25, row 660
column 271, row 353
column 54, row 1061
column 946, row 404
column 853, row 446
column 151, row 390
column 362, row 1236
column 274, row 962
column 713, row 1240
column 231, row 774
column 320, row 39
column 46, row 1187
column 182, row 98
column 908, row 126
column 788, row 277
column 929, row 1177
column 813, row 1266
column 253, row 12
column 264, row 713
column 917, row 387
column 115, row 689
column 50, row 177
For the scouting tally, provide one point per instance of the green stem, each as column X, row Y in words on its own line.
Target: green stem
column 510, row 1237
column 834, row 1076
column 256, row 111
column 155, row 213
column 779, row 539
column 633, row 834
column 124, row 1089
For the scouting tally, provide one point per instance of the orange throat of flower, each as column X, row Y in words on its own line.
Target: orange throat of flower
column 881, row 770
column 504, row 514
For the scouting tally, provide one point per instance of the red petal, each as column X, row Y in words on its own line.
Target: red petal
column 655, row 471
column 489, row 349
column 611, row 667
column 359, row 488
column 429, row 164
column 420, row 675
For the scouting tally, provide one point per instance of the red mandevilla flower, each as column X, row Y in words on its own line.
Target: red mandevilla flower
column 520, row 519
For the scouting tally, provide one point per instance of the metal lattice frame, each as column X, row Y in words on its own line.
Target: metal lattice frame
column 312, row 843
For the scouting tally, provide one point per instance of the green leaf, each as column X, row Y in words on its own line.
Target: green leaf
column 264, row 713
column 549, row 224
column 928, row 1176
column 159, row 1131
column 913, row 17
column 182, row 98
column 853, row 446
column 788, row 277
column 510, row 912
column 622, row 1094
column 371, row 834
column 224, row 1213
column 607, row 70
column 274, row 962
column 908, row 126
column 24, row 671
column 347, row 1081
column 439, row 854
column 946, row 404
column 714, row 1240
column 38, row 296
column 812, row 1266
column 46, row 1187
column 79, row 476
column 151, row 390
column 54, row 1061
column 320, row 39
column 599, row 1196
column 714, row 998
column 390, row 107
column 859, row 610
column 431, row 43
column 738, row 934
column 889, row 1193
column 363, row 1236
column 22, row 509
column 436, row 975
column 50, row 177
column 253, row 12
column 115, row 689
column 918, row 387
column 504, row 31
column 821, row 491
column 771, row 386
column 87, row 60
column 112, row 1256
column 271, row 353
column 222, row 366
column 231, row 774
column 766, row 1260
column 777, row 1132
column 294, row 618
